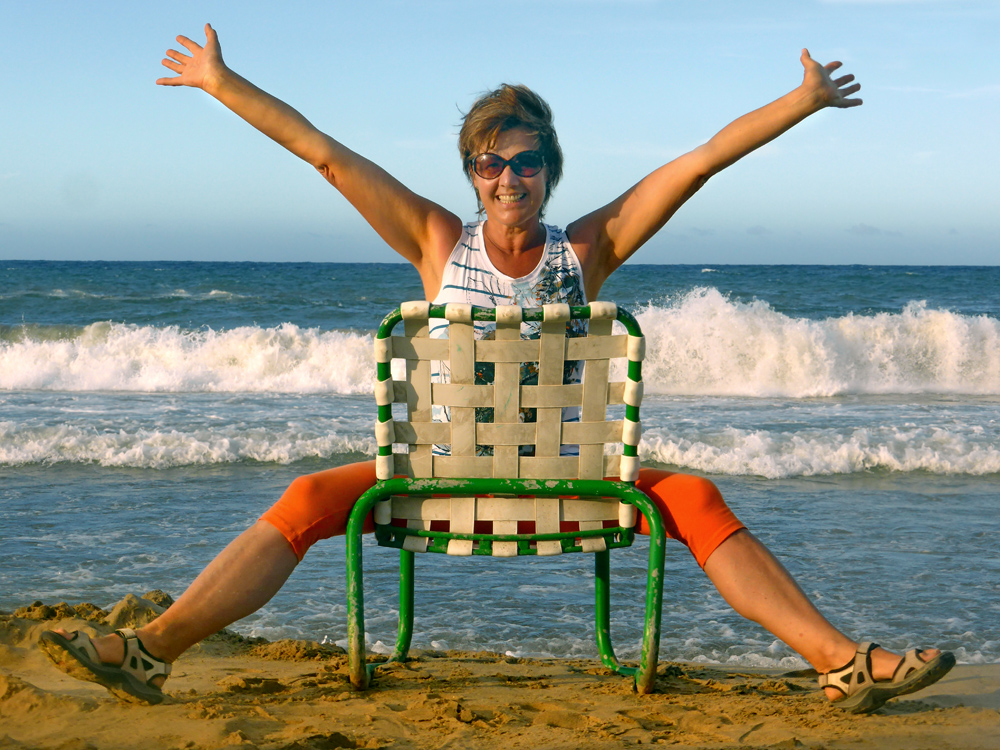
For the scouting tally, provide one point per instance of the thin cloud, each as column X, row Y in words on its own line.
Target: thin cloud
column 867, row 230
column 977, row 93
column 913, row 90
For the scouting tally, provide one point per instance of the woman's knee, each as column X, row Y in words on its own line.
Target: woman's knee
column 337, row 487
column 317, row 506
column 692, row 508
column 699, row 493
column 677, row 492
column 307, row 488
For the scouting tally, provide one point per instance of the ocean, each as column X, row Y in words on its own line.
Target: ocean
column 850, row 414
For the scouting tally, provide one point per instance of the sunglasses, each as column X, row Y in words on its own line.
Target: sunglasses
column 524, row 164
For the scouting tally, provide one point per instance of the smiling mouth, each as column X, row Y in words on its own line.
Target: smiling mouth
column 510, row 198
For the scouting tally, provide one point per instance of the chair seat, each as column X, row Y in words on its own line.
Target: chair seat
column 503, row 525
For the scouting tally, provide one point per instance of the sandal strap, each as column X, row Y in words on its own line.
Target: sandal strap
column 854, row 675
column 83, row 641
column 138, row 661
column 910, row 663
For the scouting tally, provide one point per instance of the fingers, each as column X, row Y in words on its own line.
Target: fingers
column 188, row 44
column 178, row 56
column 843, row 80
column 841, row 99
column 832, row 66
column 176, row 67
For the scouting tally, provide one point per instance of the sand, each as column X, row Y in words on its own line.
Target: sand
column 232, row 692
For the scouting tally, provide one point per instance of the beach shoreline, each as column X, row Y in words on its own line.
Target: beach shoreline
column 232, row 691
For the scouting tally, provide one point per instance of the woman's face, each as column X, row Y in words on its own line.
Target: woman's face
column 508, row 199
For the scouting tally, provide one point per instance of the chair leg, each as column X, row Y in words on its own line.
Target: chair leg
column 356, row 653
column 602, row 613
column 356, row 614
column 645, row 677
column 405, row 633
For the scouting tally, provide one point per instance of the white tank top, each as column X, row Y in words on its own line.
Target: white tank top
column 471, row 278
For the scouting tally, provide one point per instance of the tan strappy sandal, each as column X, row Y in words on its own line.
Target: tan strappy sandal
column 863, row 694
column 131, row 680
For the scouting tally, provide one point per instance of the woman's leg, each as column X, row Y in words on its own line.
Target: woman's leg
column 254, row 566
column 749, row 577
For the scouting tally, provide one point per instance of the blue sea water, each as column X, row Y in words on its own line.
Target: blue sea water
column 850, row 414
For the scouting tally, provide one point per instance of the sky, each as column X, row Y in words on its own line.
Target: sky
column 98, row 163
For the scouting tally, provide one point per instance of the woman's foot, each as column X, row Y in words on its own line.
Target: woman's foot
column 120, row 662
column 871, row 676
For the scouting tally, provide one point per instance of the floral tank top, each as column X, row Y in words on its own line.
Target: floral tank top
column 471, row 278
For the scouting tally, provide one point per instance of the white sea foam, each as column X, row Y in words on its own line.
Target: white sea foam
column 810, row 452
column 700, row 343
column 163, row 448
column 704, row 343
column 720, row 450
column 119, row 357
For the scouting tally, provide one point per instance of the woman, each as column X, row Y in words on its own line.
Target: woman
column 511, row 156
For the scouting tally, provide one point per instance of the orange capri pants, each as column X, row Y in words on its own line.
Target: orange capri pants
column 317, row 506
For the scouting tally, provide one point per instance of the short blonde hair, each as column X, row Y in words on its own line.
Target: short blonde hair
column 505, row 108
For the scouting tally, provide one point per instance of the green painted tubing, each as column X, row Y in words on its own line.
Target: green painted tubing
column 394, row 537
column 602, row 614
column 602, row 611
column 553, row 536
column 486, row 486
column 646, row 674
column 388, row 323
column 645, row 677
column 359, row 675
column 404, row 636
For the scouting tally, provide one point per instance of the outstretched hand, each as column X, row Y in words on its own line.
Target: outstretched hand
column 202, row 65
column 831, row 92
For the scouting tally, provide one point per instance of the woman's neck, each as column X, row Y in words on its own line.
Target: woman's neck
column 515, row 252
column 514, row 240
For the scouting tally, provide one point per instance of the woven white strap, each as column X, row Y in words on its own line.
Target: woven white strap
column 416, row 310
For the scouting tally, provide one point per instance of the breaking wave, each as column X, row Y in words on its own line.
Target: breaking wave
column 701, row 343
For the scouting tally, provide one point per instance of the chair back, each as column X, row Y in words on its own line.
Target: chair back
column 502, row 406
column 470, row 400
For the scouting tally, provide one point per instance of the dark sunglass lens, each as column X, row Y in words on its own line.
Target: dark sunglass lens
column 488, row 166
column 527, row 163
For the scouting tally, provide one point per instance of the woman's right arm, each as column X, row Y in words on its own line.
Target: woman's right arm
column 418, row 229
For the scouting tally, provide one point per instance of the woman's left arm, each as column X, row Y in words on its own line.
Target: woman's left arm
column 607, row 237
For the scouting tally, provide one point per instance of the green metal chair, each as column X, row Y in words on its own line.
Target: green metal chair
column 498, row 459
